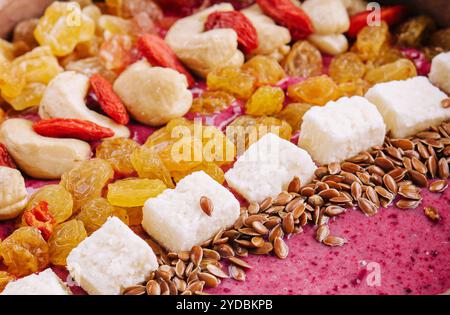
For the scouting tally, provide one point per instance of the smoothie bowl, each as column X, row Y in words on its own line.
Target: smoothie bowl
column 224, row 147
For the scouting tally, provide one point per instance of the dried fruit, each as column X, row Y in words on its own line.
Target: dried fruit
column 134, row 192
column 390, row 15
column 246, row 32
column 58, row 199
column 413, row 32
column 5, row 278
column 346, row 67
column 371, row 40
column 63, row 26
column 24, row 33
column 118, row 152
column 72, row 128
column 112, row 25
column 108, row 99
column 116, row 53
column 266, row 100
column 86, row 181
column 24, row 251
column 286, row 13
column 211, row 101
column 266, row 70
column 232, row 80
column 246, row 130
column 95, row 212
column 148, row 164
column 41, row 218
column 293, row 114
column 210, row 168
column 401, row 69
column 89, row 67
column 159, row 53
column 5, row 158
column 316, row 90
column 65, row 237
column 30, row 96
column 304, row 60
column 357, row 87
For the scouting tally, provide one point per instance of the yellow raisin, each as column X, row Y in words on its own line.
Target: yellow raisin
column 212, row 101
column 95, row 212
column 232, row 80
column 304, row 60
column 24, row 251
column 346, row 67
column 87, row 180
column 65, row 237
column 63, row 26
column 266, row 100
column 370, row 40
column 5, row 278
column 148, row 164
column 357, row 87
column 134, row 192
column 293, row 114
column 399, row 70
column 266, row 70
column 316, row 90
column 209, row 168
column 118, row 151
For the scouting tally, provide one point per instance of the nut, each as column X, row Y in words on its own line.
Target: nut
column 333, row 44
column 276, row 38
column 202, row 51
column 328, row 16
column 13, row 194
column 64, row 98
column 38, row 156
column 153, row 96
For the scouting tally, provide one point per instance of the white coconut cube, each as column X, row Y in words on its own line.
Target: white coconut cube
column 341, row 129
column 409, row 106
column 111, row 259
column 440, row 72
column 176, row 220
column 44, row 283
column 267, row 168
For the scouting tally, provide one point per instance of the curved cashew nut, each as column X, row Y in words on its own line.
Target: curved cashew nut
column 64, row 98
column 202, row 51
column 274, row 39
column 38, row 156
column 155, row 95
column 13, row 194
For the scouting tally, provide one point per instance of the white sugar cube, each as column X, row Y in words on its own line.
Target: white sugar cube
column 440, row 71
column 341, row 129
column 44, row 283
column 267, row 168
column 175, row 219
column 111, row 259
column 409, row 106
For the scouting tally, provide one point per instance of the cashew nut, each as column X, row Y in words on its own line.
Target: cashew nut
column 38, row 156
column 334, row 44
column 64, row 98
column 13, row 194
column 153, row 96
column 202, row 51
column 273, row 39
column 327, row 16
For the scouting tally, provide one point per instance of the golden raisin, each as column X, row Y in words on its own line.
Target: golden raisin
column 232, row 80
column 134, row 192
column 5, row 278
column 293, row 114
column 316, row 90
column 266, row 70
column 65, row 237
column 118, row 151
column 211, row 102
column 304, row 60
column 346, row 67
column 399, row 70
column 266, row 100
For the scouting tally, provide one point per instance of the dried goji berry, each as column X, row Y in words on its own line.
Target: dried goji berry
column 160, row 54
column 286, row 13
column 391, row 15
column 108, row 99
column 72, row 128
column 41, row 218
column 247, row 36
column 5, row 158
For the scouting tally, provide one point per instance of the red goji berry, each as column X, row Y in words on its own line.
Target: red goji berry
column 108, row 99
column 5, row 158
column 160, row 54
column 41, row 218
column 247, row 36
column 72, row 128
column 286, row 13
column 391, row 15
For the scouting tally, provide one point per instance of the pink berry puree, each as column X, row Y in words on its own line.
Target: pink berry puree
column 395, row 252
